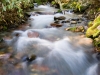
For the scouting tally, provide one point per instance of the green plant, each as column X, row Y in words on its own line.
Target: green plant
column 12, row 10
column 65, row 6
column 53, row 2
column 59, row 11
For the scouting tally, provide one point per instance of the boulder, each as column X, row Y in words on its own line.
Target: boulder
column 79, row 29
column 94, row 32
column 60, row 18
column 56, row 25
column 76, row 29
column 67, row 21
column 73, row 22
column 94, row 29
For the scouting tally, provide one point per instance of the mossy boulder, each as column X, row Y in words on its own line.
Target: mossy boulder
column 76, row 29
column 90, row 24
column 94, row 30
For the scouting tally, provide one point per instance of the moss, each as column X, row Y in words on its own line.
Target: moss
column 94, row 30
column 97, row 44
column 90, row 23
column 72, row 29
column 76, row 29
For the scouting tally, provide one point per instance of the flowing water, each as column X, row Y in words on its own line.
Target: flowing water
column 68, row 55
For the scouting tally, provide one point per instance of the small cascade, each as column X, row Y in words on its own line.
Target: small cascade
column 64, row 59
column 56, row 51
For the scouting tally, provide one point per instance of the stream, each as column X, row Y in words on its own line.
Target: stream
column 45, row 47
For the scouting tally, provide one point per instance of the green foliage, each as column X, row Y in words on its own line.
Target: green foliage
column 97, row 43
column 12, row 10
column 75, row 5
column 66, row 5
column 11, row 5
column 53, row 2
column 59, row 11
column 40, row 1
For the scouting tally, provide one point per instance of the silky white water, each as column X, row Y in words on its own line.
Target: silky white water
column 71, row 54
column 64, row 59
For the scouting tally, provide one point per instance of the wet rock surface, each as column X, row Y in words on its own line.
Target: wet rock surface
column 56, row 25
